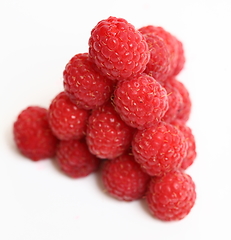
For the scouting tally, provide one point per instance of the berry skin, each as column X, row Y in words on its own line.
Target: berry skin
column 174, row 101
column 180, row 60
column 159, row 149
column 186, row 104
column 66, row 120
column 170, row 41
column 190, row 139
column 124, row 179
column 84, row 84
column 75, row 160
column 159, row 64
column 32, row 134
column 118, row 49
column 172, row 196
column 107, row 135
column 141, row 101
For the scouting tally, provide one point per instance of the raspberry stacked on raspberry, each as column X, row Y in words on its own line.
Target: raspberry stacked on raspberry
column 118, row 49
column 122, row 106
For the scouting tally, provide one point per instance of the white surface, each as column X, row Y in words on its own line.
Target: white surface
column 37, row 202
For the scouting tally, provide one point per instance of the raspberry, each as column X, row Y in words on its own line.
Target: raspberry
column 190, row 139
column 174, row 101
column 180, row 60
column 159, row 64
column 124, row 179
column 66, row 120
column 170, row 41
column 185, row 108
column 74, row 158
column 118, row 49
column 141, row 102
column 33, row 135
column 107, row 135
column 159, row 149
column 84, row 85
column 172, row 196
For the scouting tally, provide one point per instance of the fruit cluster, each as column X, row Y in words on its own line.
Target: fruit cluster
column 124, row 113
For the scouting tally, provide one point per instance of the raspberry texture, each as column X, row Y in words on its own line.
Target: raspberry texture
column 159, row 64
column 124, row 179
column 172, row 196
column 141, row 101
column 174, row 102
column 84, row 84
column 33, row 135
column 118, row 49
column 159, row 149
column 186, row 103
column 171, row 42
column 66, row 120
column 190, row 139
column 181, row 58
column 107, row 135
column 75, row 160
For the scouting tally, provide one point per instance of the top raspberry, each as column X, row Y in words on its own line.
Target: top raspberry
column 118, row 49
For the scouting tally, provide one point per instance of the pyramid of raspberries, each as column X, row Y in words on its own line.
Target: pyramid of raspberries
column 123, row 113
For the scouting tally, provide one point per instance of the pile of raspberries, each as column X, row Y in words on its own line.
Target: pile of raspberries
column 123, row 113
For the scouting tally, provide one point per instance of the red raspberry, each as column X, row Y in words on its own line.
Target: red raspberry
column 174, row 101
column 118, row 49
column 180, row 60
column 66, row 120
column 159, row 149
column 185, row 108
column 124, row 179
column 141, row 101
column 190, row 139
column 159, row 64
column 33, row 135
column 170, row 41
column 107, row 135
column 74, row 158
column 172, row 196
column 84, row 85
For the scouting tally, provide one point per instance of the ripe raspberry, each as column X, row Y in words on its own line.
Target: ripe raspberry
column 180, row 60
column 185, row 108
column 141, row 101
column 174, row 101
column 85, row 86
column 172, row 196
column 74, row 158
column 124, row 179
column 190, row 139
column 66, row 120
column 159, row 64
column 107, row 135
column 33, row 135
column 159, row 149
column 170, row 41
column 118, row 49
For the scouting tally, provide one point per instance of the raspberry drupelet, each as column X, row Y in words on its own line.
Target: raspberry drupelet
column 118, row 49
column 32, row 134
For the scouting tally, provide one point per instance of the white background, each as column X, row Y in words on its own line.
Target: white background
column 37, row 201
